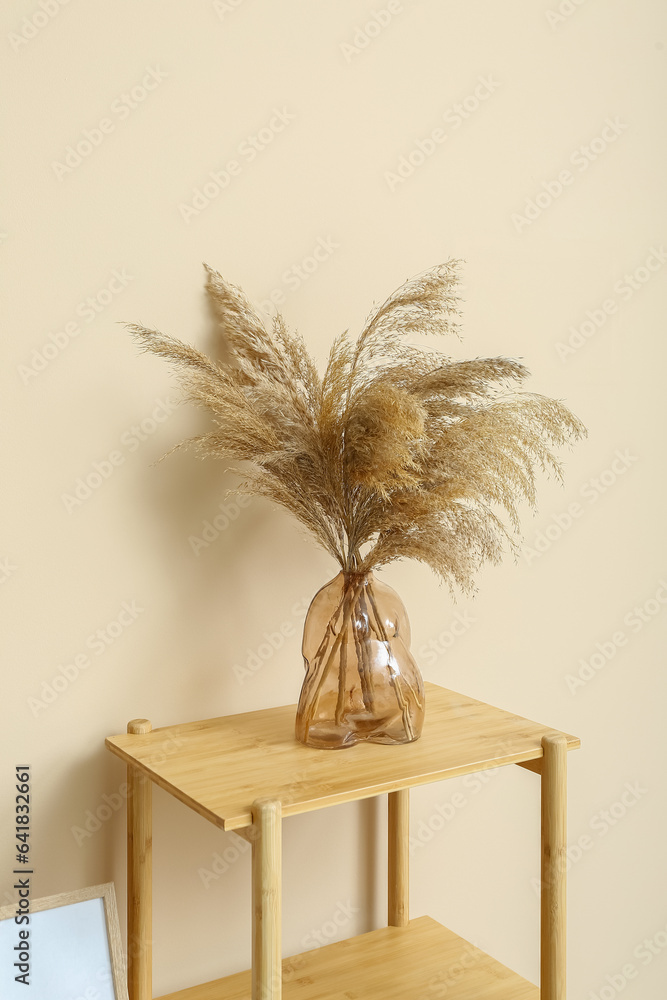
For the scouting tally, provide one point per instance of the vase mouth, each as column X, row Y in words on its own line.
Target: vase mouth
column 356, row 574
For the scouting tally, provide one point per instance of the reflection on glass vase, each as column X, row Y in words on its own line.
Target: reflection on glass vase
column 361, row 683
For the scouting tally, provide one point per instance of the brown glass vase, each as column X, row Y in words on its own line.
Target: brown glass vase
column 361, row 682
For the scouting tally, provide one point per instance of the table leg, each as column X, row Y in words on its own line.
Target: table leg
column 399, row 857
column 139, row 877
column 266, row 901
column 554, row 858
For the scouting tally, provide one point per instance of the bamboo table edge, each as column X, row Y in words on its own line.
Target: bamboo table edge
column 531, row 760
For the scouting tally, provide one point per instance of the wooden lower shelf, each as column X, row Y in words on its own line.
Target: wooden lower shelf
column 422, row 961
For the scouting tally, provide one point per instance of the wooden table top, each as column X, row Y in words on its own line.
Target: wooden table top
column 220, row 766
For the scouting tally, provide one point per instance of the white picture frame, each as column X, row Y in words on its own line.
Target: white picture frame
column 73, row 949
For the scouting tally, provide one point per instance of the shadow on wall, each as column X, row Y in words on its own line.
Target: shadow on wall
column 373, row 915
column 204, row 541
column 217, row 559
column 92, row 794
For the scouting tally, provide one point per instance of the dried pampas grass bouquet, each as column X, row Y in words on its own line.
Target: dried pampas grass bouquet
column 395, row 451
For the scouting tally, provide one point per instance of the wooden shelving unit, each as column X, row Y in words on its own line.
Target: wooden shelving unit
column 245, row 772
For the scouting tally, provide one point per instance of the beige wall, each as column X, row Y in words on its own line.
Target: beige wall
column 218, row 72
